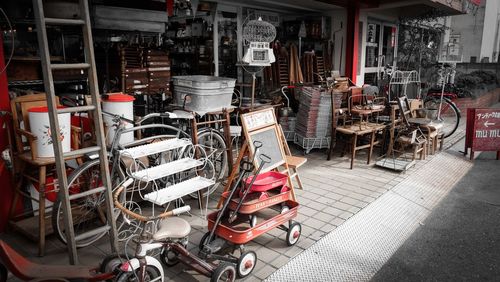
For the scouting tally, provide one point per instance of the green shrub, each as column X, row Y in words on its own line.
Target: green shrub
column 475, row 79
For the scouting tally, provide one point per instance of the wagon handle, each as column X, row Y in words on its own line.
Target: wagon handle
column 234, row 213
column 265, row 158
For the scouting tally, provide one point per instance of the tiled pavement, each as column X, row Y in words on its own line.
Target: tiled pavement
column 332, row 194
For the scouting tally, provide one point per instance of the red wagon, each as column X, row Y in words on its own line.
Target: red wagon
column 240, row 232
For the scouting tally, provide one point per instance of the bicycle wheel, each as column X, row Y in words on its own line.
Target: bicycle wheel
column 215, row 147
column 449, row 114
column 89, row 211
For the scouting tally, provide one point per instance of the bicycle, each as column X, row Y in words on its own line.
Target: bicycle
column 440, row 105
column 86, row 179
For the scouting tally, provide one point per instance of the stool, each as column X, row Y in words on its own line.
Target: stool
column 293, row 164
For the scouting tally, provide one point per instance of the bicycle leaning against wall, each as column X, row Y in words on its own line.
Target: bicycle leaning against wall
column 440, row 105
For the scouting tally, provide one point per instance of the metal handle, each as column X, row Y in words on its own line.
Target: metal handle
column 185, row 100
column 246, row 166
column 265, row 158
column 180, row 210
column 257, row 144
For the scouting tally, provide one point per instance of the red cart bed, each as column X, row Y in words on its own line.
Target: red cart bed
column 239, row 232
column 266, row 181
column 254, row 202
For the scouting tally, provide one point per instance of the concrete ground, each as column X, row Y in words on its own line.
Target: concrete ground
column 459, row 241
column 332, row 194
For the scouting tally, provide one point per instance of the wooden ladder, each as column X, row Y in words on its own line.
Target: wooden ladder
column 93, row 108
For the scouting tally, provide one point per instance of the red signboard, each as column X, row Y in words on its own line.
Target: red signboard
column 483, row 131
column 476, row 2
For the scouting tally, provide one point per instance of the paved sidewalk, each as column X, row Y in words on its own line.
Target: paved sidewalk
column 333, row 193
column 360, row 247
column 459, row 240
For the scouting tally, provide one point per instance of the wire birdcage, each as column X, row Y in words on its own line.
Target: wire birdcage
column 259, row 31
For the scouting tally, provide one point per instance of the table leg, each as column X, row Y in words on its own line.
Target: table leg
column 372, row 141
column 353, row 153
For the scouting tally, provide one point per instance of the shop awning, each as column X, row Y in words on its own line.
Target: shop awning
column 414, row 6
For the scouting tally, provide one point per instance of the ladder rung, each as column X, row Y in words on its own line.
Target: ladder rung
column 55, row 21
column 91, row 233
column 82, row 151
column 76, row 109
column 70, row 66
column 86, row 193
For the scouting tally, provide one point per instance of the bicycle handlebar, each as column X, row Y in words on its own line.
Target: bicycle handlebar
column 117, row 118
column 140, row 217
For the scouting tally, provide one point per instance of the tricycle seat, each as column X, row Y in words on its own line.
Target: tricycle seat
column 173, row 228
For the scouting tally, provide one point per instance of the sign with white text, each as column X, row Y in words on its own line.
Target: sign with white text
column 483, row 130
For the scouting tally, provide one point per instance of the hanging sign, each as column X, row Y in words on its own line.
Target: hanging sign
column 483, row 131
column 371, row 33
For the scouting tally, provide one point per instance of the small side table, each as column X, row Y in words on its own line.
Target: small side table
column 356, row 130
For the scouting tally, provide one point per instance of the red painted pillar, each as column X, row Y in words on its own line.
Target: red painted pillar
column 352, row 42
column 6, row 187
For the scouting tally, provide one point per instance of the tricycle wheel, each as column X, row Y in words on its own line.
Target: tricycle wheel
column 246, row 264
column 112, row 262
column 253, row 220
column 224, row 272
column 293, row 233
column 169, row 257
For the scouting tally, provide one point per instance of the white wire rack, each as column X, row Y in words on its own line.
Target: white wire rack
column 400, row 80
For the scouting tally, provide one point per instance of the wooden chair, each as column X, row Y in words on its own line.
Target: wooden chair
column 362, row 105
column 431, row 129
column 31, row 167
column 293, row 162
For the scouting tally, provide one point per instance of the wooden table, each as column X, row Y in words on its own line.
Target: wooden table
column 356, row 130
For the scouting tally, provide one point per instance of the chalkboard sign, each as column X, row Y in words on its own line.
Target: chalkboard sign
column 258, row 119
column 483, row 131
column 271, row 146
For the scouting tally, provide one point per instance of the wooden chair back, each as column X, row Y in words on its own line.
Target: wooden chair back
column 20, row 117
column 404, row 109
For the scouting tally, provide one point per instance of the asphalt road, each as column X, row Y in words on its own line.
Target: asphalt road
column 460, row 240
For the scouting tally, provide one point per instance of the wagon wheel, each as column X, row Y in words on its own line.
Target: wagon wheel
column 204, row 240
column 293, row 233
column 252, row 220
column 285, row 209
column 246, row 264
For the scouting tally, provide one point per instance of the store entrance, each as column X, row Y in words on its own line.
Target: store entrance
column 381, row 42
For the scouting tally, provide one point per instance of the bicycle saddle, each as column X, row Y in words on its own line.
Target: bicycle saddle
column 172, row 227
column 27, row 270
